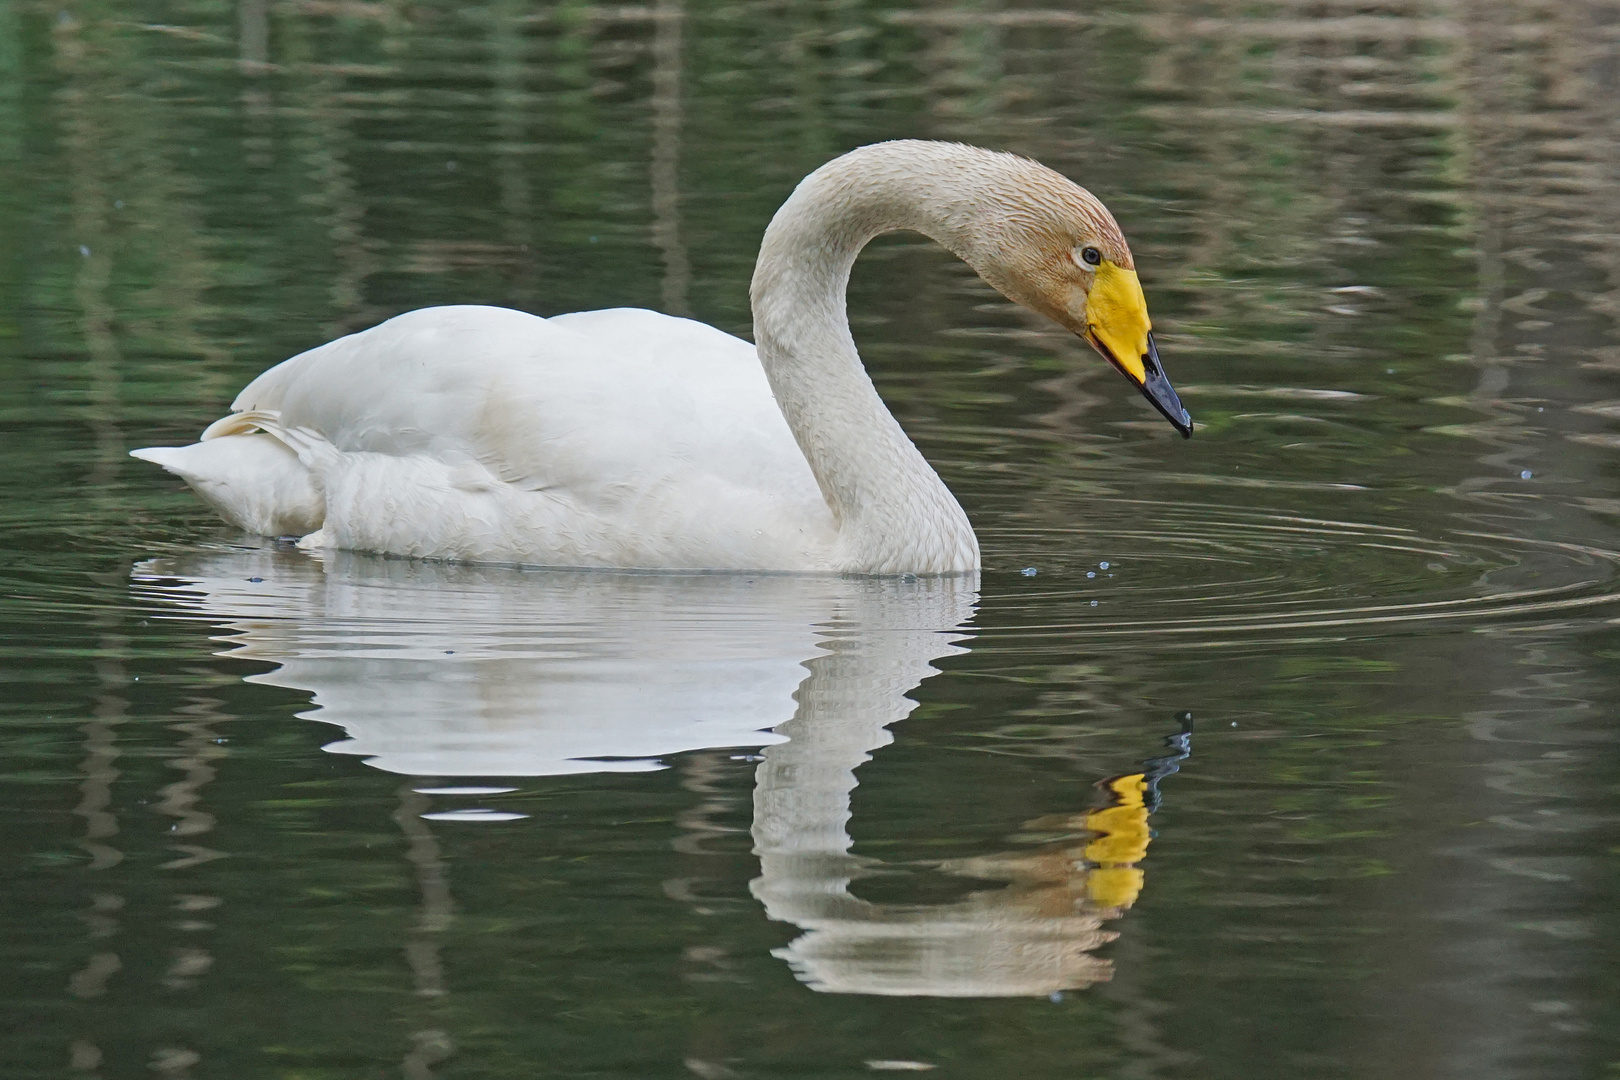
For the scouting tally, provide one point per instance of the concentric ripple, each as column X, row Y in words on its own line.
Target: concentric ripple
column 1213, row 574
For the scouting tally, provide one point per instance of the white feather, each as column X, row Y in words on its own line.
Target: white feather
column 253, row 481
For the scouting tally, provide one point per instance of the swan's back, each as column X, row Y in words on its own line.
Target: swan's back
column 597, row 398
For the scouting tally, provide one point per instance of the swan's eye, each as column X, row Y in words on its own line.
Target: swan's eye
column 1089, row 256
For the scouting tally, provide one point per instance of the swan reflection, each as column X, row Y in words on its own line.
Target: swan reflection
column 445, row 670
column 458, row 671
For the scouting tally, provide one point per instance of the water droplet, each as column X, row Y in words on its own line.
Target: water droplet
column 1526, row 474
column 1091, row 573
column 1055, row 996
column 255, row 580
column 1103, row 565
column 1029, row 571
column 1094, row 603
column 85, row 251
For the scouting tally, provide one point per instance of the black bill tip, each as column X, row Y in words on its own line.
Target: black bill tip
column 1157, row 389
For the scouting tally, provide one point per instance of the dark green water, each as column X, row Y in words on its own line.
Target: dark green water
column 1379, row 242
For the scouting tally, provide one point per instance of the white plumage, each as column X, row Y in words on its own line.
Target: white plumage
column 605, row 438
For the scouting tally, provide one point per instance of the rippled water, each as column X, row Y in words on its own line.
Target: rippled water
column 270, row 815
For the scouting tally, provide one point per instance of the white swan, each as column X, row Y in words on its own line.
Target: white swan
column 627, row 438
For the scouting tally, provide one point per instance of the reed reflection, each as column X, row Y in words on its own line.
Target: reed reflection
column 456, row 671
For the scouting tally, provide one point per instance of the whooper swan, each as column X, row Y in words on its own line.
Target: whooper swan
column 628, row 438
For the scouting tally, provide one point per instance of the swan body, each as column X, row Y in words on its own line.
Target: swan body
column 627, row 438
column 604, row 438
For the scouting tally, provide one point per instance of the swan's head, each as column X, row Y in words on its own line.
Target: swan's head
column 1053, row 247
column 1034, row 234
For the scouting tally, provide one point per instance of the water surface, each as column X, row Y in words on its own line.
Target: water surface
column 270, row 815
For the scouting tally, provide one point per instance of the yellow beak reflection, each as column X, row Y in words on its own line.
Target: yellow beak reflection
column 1117, row 325
column 1120, row 841
column 1120, row 832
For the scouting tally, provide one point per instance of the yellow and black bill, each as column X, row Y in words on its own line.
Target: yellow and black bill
column 1117, row 326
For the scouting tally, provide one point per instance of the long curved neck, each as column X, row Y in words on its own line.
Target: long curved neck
column 894, row 513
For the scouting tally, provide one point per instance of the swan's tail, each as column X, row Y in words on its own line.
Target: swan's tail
column 252, row 472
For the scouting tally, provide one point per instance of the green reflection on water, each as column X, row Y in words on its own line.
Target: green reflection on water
column 1376, row 257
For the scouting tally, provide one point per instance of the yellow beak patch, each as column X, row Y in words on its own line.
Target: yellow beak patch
column 1116, row 316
